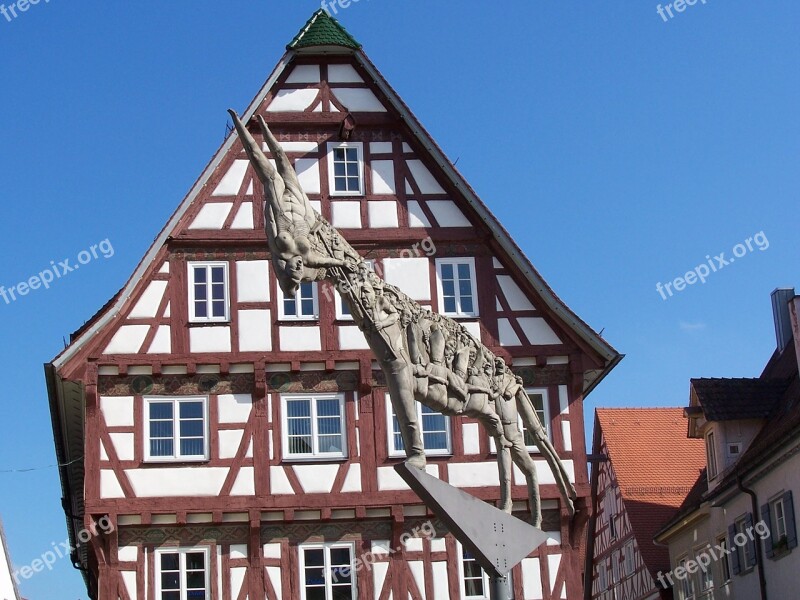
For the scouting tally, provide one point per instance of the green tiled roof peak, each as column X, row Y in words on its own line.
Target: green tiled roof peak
column 323, row 30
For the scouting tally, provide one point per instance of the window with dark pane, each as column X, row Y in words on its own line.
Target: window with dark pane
column 475, row 584
column 182, row 575
column 162, row 433
column 327, row 572
column 435, row 429
column 346, row 170
column 314, row 426
column 176, row 428
column 303, row 303
column 537, row 399
column 458, row 288
column 208, row 292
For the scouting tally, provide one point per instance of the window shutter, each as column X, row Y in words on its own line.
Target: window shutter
column 766, row 516
column 734, row 550
column 752, row 560
column 788, row 509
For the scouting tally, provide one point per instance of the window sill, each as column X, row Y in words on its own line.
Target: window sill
column 313, row 459
column 209, row 323
column 779, row 554
column 306, row 320
column 174, row 462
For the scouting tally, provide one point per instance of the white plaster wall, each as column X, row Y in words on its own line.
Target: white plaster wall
column 351, row 338
column 388, row 479
column 212, row 215
column 252, row 281
column 123, row 445
column 245, row 484
column 382, row 214
column 279, row 482
column 229, row 440
column 292, row 100
column 447, row 214
column 210, row 339
column 479, row 474
column 538, row 331
column 297, row 339
column 255, row 330
column 553, row 562
column 343, row 74
column 471, row 434
column 109, row 485
column 416, row 216
column 308, row 174
column 127, row 340
column 231, row 182
column 234, row 408
column 532, row 579
column 237, row 580
column 424, row 179
column 162, row 341
column 352, row 481
column 412, row 275
column 346, row 214
column 508, row 336
column 441, row 588
column 316, row 479
column 129, row 579
column 473, row 327
column 566, row 432
column 383, row 177
column 358, row 100
column 177, row 481
column 117, row 410
column 147, row 306
column 513, row 294
column 244, row 218
column 304, row 74
column 380, row 147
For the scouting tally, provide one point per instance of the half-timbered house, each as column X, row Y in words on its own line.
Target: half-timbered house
column 241, row 442
column 645, row 467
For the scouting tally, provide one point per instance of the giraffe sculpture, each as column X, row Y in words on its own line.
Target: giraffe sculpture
column 425, row 357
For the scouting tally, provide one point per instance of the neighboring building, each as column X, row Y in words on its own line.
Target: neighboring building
column 8, row 587
column 241, row 442
column 747, row 503
column 644, row 468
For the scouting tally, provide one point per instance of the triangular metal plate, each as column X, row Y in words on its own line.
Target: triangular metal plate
column 497, row 540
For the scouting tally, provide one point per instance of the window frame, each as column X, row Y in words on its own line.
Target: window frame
column 711, row 455
column 283, row 316
column 773, row 509
column 629, row 561
column 740, row 525
column 546, row 406
column 394, row 453
column 459, row 314
column 462, row 578
column 686, row 582
column 705, row 574
column 326, row 547
column 316, row 455
column 602, row 577
column 193, row 318
column 182, row 552
column 725, row 565
column 738, row 446
column 359, row 146
column 175, row 458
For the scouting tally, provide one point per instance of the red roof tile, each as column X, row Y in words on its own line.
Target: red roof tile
column 656, row 466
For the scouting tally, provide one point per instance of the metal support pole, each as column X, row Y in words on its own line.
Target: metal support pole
column 498, row 588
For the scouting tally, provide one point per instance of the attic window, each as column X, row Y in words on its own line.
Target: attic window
column 208, row 292
column 346, row 169
column 735, row 449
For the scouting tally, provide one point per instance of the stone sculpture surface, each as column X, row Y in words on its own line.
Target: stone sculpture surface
column 425, row 357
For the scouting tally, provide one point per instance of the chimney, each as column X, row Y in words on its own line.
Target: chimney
column 780, row 313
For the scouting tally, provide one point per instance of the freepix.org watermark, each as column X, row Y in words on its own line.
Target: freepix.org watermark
column 56, row 271
column 678, row 6
column 62, row 550
column 13, row 10
column 715, row 553
column 712, row 265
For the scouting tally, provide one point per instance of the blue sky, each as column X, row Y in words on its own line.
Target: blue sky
column 618, row 149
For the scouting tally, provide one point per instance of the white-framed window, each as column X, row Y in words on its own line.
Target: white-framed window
column 611, row 516
column 435, row 429
column 629, row 562
column 734, row 450
column 602, row 577
column 326, row 572
column 474, row 580
column 457, row 285
column 304, row 306
column 615, row 567
column 541, row 406
column 687, row 583
column 704, row 574
column 208, row 292
column 745, row 558
column 182, row 574
column 313, row 426
column 711, row 455
column 778, row 518
column 176, row 428
column 725, row 566
column 346, row 168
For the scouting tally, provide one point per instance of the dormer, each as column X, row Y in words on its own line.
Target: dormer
column 728, row 414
